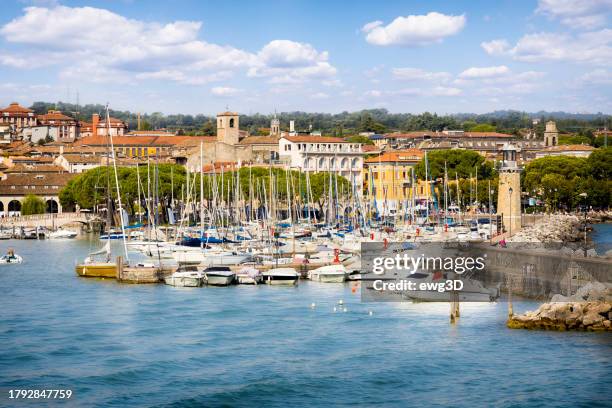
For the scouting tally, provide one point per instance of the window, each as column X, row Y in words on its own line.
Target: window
column 231, row 123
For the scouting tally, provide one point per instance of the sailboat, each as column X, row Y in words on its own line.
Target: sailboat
column 92, row 267
column 105, row 268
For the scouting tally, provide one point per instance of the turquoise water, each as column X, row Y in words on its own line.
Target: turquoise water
column 155, row 345
column 602, row 237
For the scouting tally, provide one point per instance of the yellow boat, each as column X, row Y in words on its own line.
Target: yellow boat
column 97, row 270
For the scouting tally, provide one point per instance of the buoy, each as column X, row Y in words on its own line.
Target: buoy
column 312, row 305
column 370, row 313
column 386, row 242
column 353, row 289
column 336, row 255
column 335, row 310
column 345, row 310
column 340, row 302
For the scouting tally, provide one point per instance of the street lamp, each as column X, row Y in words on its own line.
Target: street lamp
column 584, row 196
column 510, row 210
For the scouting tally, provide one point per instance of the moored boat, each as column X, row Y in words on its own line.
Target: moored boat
column 11, row 258
column 335, row 273
column 187, row 277
column 281, row 276
column 249, row 276
column 219, row 276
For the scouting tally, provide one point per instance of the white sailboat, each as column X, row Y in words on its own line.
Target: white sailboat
column 335, row 273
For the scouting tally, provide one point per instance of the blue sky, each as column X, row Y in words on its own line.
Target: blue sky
column 316, row 56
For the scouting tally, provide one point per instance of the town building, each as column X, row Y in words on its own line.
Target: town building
column 389, row 180
column 551, row 134
column 77, row 163
column 565, row 150
column 320, row 153
column 15, row 187
column 53, row 124
column 17, row 117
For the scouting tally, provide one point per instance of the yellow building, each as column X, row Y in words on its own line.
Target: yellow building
column 388, row 179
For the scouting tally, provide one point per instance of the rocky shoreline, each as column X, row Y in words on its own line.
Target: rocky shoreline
column 590, row 309
column 559, row 232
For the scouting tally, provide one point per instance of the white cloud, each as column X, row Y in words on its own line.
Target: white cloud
column 446, row 91
column 593, row 47
column 286, row 61
column 484, row 72
column 102, row 45
column 416, row 74
column 374, row 93
column 577, row 13
column 319, row 95
column 598, row 76
column 224, row 91
column 414, row 30
column 495, row 47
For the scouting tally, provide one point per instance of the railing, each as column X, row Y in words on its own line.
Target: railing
column 45, row 217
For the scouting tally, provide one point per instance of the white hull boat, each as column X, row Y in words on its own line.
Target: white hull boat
column 281, row 276
column 472, row 291
column 329, row 274
column 62, row 234
column 249, row 276
column 188, row 279
column 11, row 259
column 219, row 276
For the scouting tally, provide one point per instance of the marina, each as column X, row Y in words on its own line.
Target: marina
column 97, row 338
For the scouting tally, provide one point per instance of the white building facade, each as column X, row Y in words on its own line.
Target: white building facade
column 317, row 153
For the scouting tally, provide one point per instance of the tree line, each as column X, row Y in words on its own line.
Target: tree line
column 347, row 123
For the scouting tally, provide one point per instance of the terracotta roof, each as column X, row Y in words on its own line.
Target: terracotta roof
column 483, row 134
column 79, row 158
column 113, row 121
column 149, row 133
column 40, row 168
column 314, row 139
column 370, row 148
column 36, row 159
column 420, row 134
column 227, row 113
column 259, row 140
column 394, row 156
column 570, row 148
column 146, row 141
column 16, row 108
column 55, row 115
column 34, row 183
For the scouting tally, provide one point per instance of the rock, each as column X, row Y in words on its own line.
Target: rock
column 592, row 316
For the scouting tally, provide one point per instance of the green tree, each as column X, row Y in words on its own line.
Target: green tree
column 483, row 127
column 209, row 129
column 32, row 204
column 459, row 164
column 360, row 139
column 599, row 163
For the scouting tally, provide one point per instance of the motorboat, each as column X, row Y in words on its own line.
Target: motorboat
column 249, row 276
column 5, row 235
column 11, row 258
column 219, row 276
column 62, row 234
column 209, row 257
column 281, row 276
column 185, row 277
column 335, row 273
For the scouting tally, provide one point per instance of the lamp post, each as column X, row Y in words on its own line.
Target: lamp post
column 584, row 197
column 510, row 210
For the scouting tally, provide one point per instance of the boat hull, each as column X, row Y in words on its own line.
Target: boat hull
column 329, row 278
column 185, row 281
column 219, row 280
column 99, row 270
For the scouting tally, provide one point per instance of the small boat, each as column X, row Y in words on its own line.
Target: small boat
column 112, row 235
column 98, row 269
column 335, row 273
column 62, row 234
column 5, row 235
column 219, row 276
column 249, row 276
column 281, row 276
column 11, row 258
column 472, row 291
column 185, row 277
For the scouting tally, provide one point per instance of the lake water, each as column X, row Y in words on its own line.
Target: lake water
column 154, row 345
